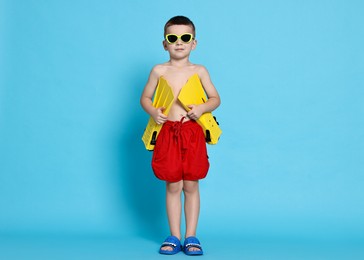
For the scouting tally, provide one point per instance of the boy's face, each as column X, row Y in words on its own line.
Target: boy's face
column 179, row 49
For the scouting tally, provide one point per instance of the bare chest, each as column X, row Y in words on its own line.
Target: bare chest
column 177, row 82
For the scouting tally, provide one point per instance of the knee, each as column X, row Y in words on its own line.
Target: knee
column 190, row 186
column 174, row 187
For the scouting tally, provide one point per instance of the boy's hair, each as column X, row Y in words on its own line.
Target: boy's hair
column 179, row 20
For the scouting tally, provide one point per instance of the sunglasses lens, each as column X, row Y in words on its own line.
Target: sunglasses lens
column 171, row 38
column 186, row 38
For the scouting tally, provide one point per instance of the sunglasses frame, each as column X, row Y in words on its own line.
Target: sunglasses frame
column 179, row 37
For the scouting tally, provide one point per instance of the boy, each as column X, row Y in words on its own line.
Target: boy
column 180, row 155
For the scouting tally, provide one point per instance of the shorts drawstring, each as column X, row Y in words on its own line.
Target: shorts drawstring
column 176, row 128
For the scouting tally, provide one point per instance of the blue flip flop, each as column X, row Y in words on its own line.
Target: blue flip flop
column 191, row 242
column 173, row 242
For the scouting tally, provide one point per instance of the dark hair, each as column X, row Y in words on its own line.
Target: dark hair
column 179, row 20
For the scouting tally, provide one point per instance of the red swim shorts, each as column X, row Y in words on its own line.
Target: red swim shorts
column 180, row 152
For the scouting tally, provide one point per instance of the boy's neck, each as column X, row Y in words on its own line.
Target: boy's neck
column 179, row 63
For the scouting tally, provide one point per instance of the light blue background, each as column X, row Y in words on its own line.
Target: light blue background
column 290, row 162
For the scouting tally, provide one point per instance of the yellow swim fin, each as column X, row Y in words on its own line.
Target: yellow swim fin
column 163, row 97
column 193, row 94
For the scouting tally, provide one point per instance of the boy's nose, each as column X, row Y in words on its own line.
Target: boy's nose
column 179, row 41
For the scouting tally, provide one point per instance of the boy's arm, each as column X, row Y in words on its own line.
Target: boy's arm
column 147, row 95
column 213, row 96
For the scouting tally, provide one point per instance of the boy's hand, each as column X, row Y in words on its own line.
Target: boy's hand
column 195, row 112
column 159, row 117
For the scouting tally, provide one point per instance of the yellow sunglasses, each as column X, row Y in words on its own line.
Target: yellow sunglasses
column 186, row 38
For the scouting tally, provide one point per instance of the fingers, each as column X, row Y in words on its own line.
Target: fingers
column 160, row 113
column 160, row 117
column 194, row 112
column 192, row 116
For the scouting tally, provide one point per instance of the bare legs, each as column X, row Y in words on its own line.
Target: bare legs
column 174, row 208
column 192, row 206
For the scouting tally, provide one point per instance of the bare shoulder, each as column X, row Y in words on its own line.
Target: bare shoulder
column 202, row 72
column 158, row 70
column 206, row 81
column 154, row 75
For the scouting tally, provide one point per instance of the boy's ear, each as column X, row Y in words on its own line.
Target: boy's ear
column 165, row 45
column 194, row 44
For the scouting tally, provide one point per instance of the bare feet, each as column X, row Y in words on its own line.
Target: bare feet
column 193, row 249
column 170, row 246
column 167, row 248
column 192, row 246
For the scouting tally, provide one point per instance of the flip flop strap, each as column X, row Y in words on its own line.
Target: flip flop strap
column 168, row 244
column 193, row 245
